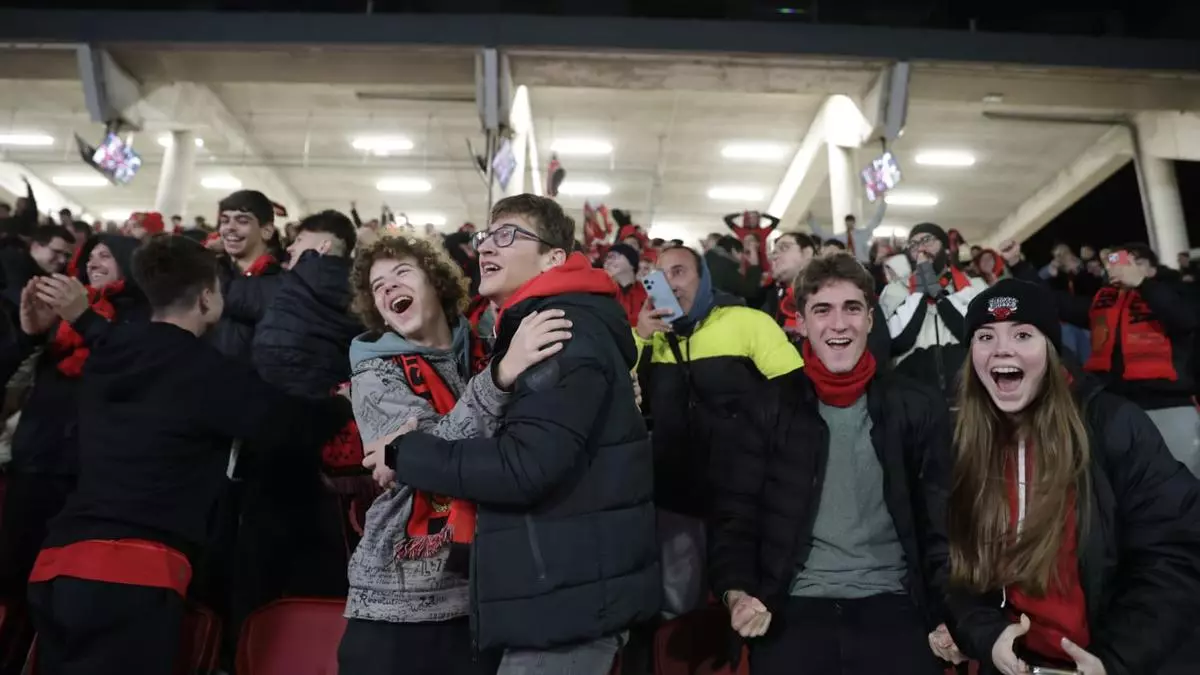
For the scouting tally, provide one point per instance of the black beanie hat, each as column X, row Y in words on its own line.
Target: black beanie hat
column 935, row 230
column 628, row 251
column 1017, row 301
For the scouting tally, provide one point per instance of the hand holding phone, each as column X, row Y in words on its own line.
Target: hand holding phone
column 662, row 296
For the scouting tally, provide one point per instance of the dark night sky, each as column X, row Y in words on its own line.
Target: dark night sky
column 1112, row 214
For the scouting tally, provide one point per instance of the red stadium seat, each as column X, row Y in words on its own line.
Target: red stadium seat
column 293, row 636
column 200, row 643
column 695, row 643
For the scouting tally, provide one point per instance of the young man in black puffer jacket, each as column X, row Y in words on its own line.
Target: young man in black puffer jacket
column 827, row 540
column 302, row 342
column 565, row 557
column 293, row 527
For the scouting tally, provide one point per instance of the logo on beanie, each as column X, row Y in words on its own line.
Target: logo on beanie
column 1001, row 308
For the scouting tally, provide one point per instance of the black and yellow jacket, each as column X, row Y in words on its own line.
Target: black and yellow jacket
column 690, row 384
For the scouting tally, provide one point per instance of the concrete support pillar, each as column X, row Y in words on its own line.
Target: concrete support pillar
column 175, row 182
column 843, row 185
column 1163, row 207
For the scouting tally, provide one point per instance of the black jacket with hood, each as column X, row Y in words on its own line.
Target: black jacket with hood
column 47, row 437
column 565, row 548
column 246, row 300
column 1139, row 550
column 302, row 343
column 159, row 410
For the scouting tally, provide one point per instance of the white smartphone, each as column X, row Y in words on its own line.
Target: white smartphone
column 662, row 296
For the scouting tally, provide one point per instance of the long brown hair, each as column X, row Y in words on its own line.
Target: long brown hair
column 985, row 553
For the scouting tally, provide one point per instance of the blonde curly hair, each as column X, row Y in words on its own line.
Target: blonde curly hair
column 444, row 275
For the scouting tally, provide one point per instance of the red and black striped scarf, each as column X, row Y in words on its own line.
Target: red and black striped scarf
column 68, row 344
column 436, row 520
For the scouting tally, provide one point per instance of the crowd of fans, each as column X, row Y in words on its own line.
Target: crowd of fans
column 861, row 454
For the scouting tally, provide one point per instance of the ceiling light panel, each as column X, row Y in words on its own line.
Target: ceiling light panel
column 31, row 140
column 405, row 185
column 382, row 145
column 735, row 193
column 583, row 189
column 754, row 152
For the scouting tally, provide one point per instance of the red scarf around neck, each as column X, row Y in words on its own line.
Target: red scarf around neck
column 840, row 390
column 456, row 516
column 260, row 265
column 68, row 344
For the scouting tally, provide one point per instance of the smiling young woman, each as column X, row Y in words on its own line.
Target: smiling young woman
column 1057, row 485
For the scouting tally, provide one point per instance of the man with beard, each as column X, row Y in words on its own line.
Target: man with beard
column 925, row 312
column 828, row 541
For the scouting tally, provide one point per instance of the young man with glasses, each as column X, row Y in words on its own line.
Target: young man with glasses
column 564, row 555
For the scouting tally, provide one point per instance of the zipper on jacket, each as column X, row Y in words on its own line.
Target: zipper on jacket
column 535, row 547
column 473, row 606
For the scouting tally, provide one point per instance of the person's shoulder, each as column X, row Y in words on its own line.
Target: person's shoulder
column 742, row 313
column 909, row 395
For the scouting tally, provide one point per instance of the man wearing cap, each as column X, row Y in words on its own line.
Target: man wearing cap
column 925, row 311
column 621, row 263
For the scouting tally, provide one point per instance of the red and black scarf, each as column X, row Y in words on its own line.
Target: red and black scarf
column 787, row 312
column 840, row 390
column 481, row 352
column 436, row 520
column 68, row 344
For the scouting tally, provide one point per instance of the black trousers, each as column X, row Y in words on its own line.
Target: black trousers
column 870, row 636
column 31, row 502
column 384, row 648
column 97, row 628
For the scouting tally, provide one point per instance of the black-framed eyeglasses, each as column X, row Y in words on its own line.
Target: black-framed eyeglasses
column 504, row 236
column 921, row 240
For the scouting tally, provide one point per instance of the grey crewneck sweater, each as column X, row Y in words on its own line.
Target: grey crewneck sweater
column 855, row 550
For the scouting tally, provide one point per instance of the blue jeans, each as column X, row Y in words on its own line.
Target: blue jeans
column 590, row 658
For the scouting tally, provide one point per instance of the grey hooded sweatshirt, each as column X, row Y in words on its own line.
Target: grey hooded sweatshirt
column 382, row 587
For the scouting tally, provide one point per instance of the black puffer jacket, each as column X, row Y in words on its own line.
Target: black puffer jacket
column 1139, row 555
column 771, row 465
column 302, row 343
column 246, row 300
column 46, row 439
column 565, row 548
